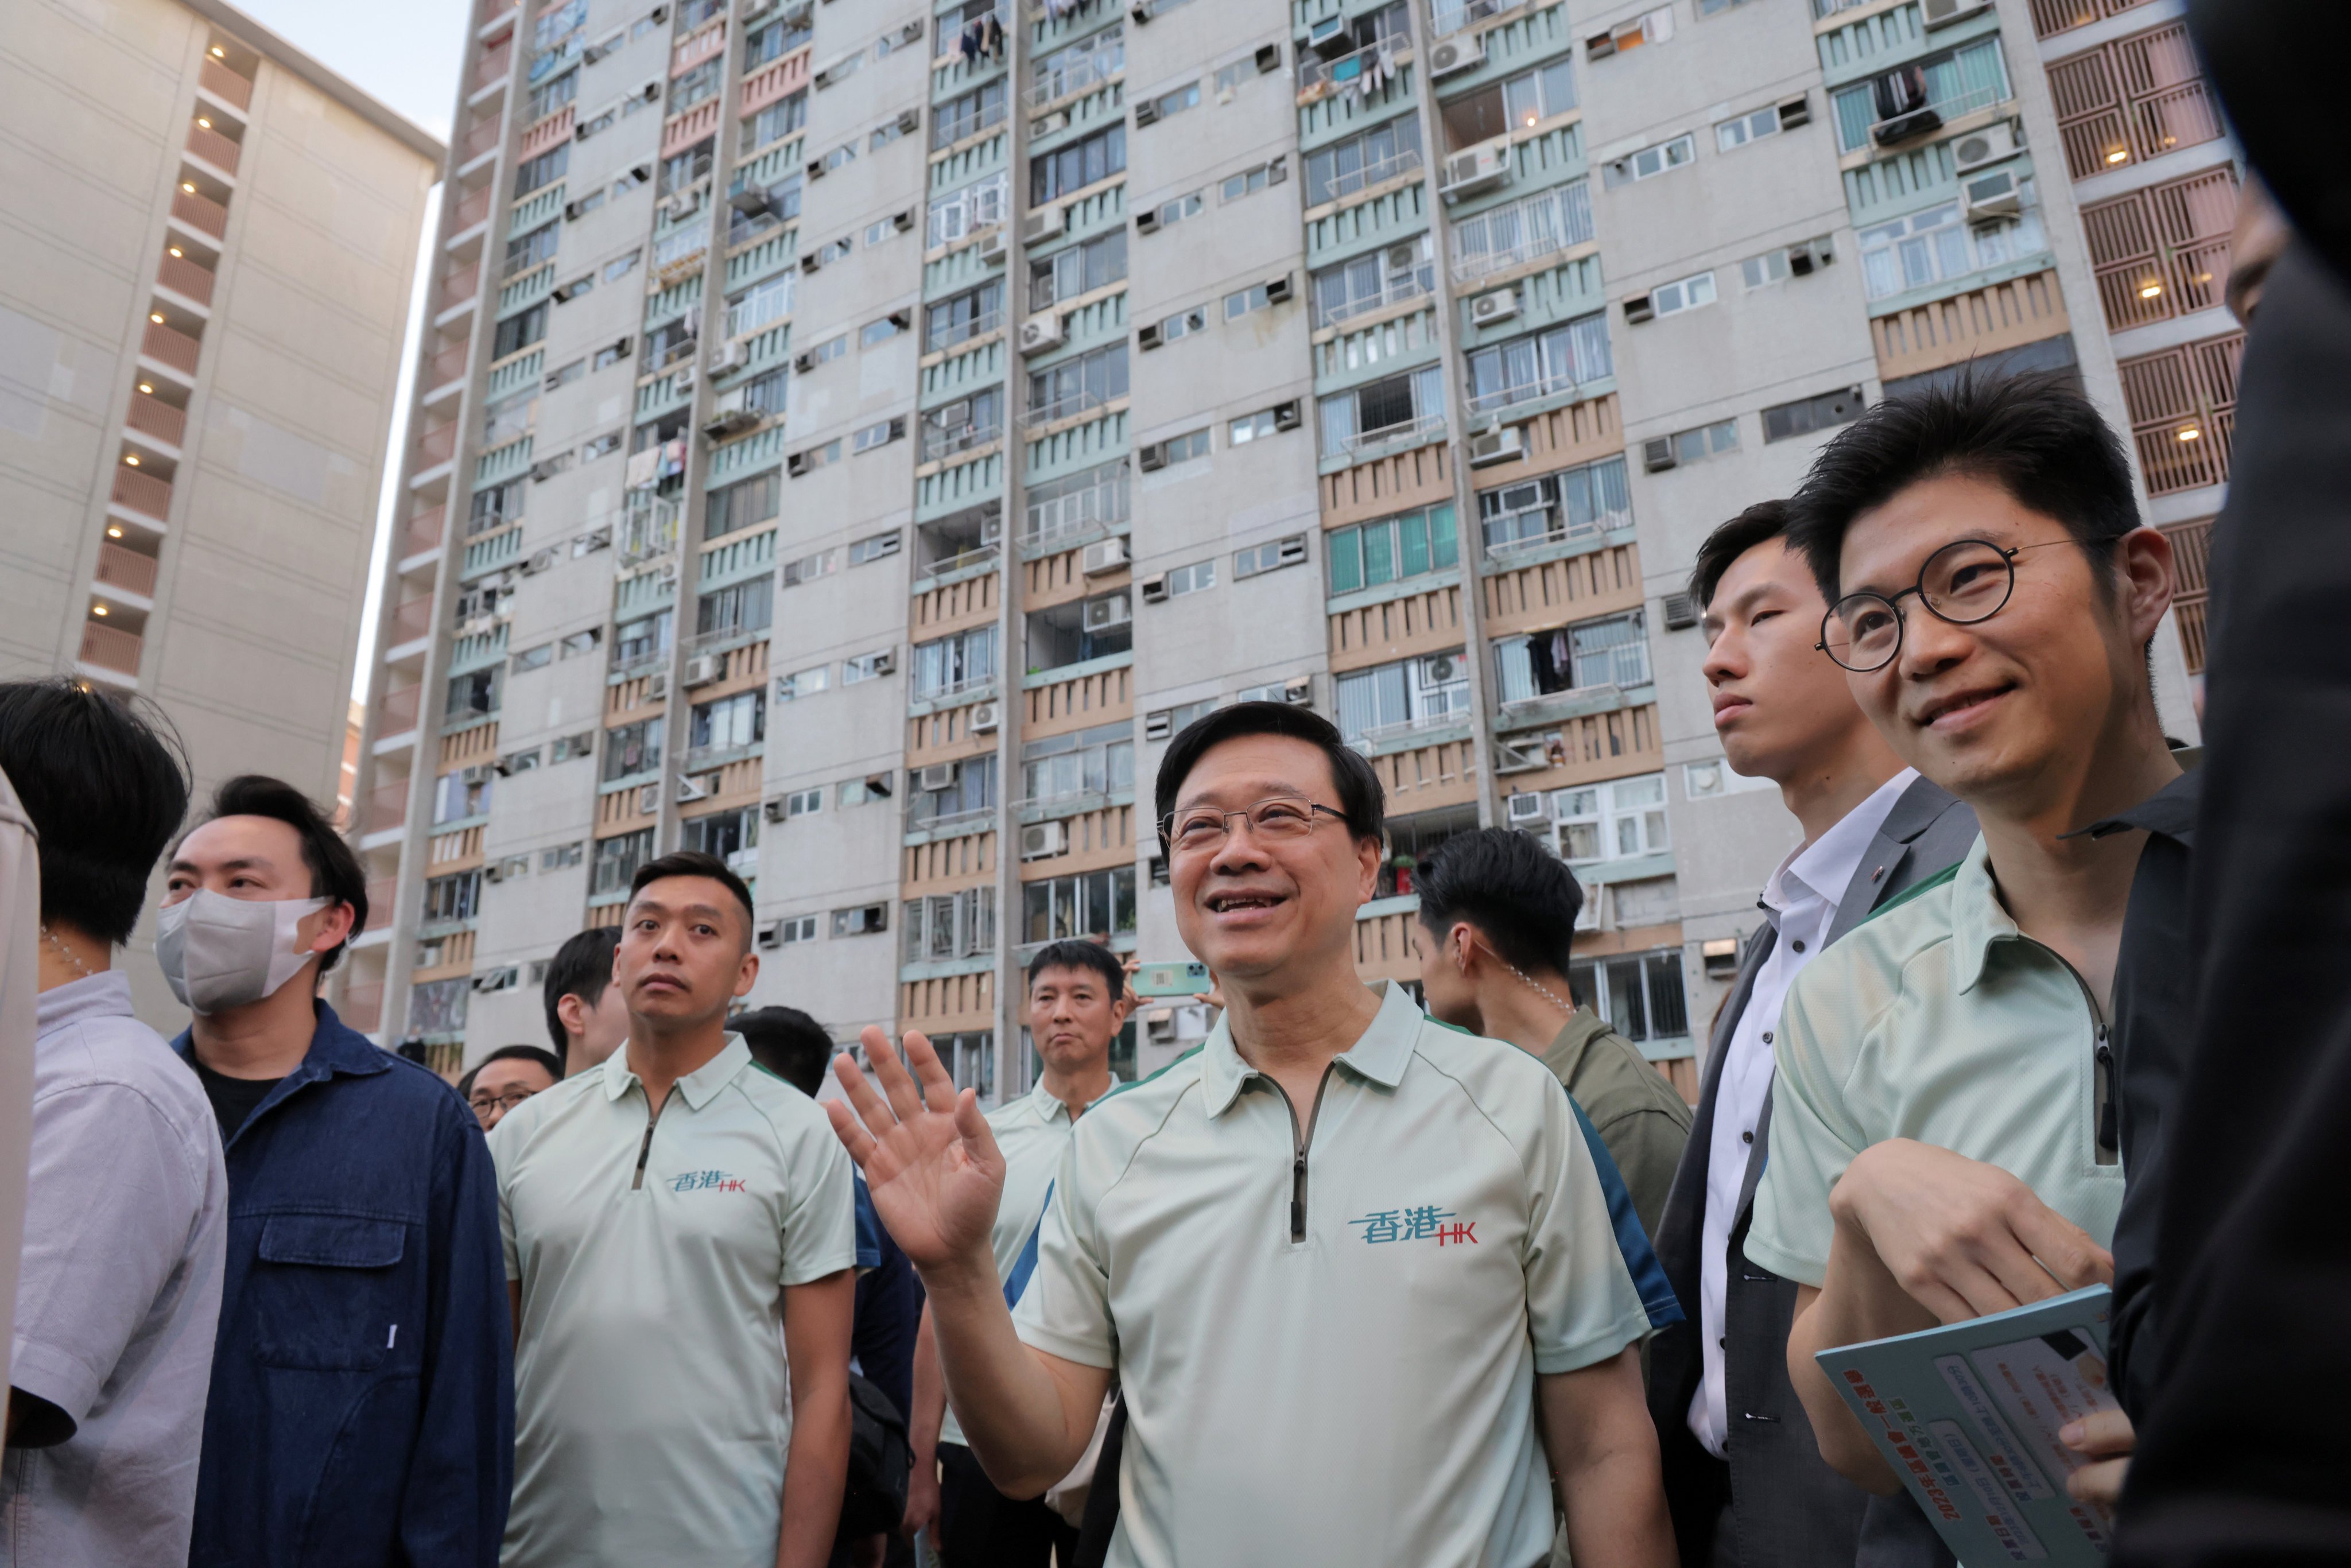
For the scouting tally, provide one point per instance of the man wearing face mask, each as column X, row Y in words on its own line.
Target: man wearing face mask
column 362, row 1389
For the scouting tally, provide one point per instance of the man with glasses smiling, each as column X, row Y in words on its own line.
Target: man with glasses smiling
column 1359, row 1276
column 1943, row 1138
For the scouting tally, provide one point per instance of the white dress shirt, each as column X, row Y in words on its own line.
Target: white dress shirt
column 1802, row 895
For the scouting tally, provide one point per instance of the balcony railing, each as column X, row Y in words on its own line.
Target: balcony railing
column 1394, row 166
column 388, row 804
column 470, row 211
column 2053, row 16
column 447, row 366
column 224, row 84
column 1560, row 532
column 119, row 566
column 1094, row 510
column 494, row 63
column 1544, row 224
column 185, row 278
column 964, row 331
column 200, row 213
column 143, row 493
column 1079, row 74
column 946, row 132
column 1420, row 429
column 1414, row 285
column 153, row 417
column 1380, row 733
column 426, row 529
column 1517, row 393
column 1068, row 405
column 979, row 555
column 1317, row 76
column 412, row 619
column 396, row 715
column 1531, row 708
column 703, row 759
column 945, row 441
column 2177, row 283
column 1449, row 16
column 460, row 284
column 481, row 139
column 213, row 147
column 169, row 346
column 436, row 445
column 109, row 648
column 2187, row 454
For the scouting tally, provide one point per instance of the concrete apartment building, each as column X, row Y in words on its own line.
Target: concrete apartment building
column 204, row 277
column 853, row 439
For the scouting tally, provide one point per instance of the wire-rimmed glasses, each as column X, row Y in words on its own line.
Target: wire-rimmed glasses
column 1199, row 828
column 1965, row 581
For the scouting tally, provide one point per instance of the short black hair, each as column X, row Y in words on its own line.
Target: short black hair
column 1361, row 799
column 1759, row 524
column 1518, row 894
column 2033, row 435
column 695, row 863
column 1076, row 953
column 581, row 967
column 546, row 1058
column 787, row 1043
column 105, row 789
column 335, row 871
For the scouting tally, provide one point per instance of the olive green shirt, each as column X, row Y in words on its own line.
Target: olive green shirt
column 1639, row 1114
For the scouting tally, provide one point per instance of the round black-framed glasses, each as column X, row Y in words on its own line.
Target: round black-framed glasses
column 1965, row 582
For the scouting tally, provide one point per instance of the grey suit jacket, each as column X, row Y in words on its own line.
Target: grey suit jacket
column 1789, row 1508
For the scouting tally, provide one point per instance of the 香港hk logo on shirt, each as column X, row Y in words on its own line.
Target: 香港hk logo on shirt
column 707, row 1181
column 1419, row 1224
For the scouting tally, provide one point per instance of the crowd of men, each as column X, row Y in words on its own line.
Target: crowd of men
column 1365, row 1278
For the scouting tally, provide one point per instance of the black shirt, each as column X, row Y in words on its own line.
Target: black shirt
column 233, row 1099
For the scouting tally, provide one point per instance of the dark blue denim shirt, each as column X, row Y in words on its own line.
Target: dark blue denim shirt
column 363, row 1394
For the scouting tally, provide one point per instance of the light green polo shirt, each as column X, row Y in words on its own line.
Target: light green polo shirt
column 1031, row 1134
column 651, row 1411
column 1362, row 1392
column 1935, row 1020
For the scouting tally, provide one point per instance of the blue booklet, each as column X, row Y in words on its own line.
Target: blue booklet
column 1967, row 1414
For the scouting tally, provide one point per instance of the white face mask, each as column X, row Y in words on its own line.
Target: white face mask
column 220, row 952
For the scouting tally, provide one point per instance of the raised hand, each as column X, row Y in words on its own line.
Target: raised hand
column 929, row 1156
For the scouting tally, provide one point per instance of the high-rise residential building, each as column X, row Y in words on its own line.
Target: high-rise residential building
column 854, row 439
column 210, row 243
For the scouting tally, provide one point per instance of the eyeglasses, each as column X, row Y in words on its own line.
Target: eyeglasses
column 484, row 1105
column 1200, row 828
column 1965, row 582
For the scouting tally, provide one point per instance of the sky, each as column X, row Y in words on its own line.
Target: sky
column 406, row 55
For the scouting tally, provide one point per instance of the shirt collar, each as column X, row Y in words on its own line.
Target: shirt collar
column 1380, row 1054
column 335, row 1047
column 700, row 1086
column 1825, row 867
column 1566, row 1052
column 1048, row 1105
column 105, row 994
column 2171, row 811
column 1978, row 919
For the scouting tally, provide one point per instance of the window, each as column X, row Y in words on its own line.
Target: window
column 862, row 921
column 1652, row 27
column 1088, row 762
column 643, row 638
column 631, row 749
column 1386, row 276
column 1090, row 498
column 1082, row 163
column 813, row 458
column 457, row 897
column 520, row 332
column 1241, row 302
column 804, row 802
column 876, row 545
column 564, row 375
column 438, row 1006
column 1672, row 298
column 881, row 331
column 809, row 568
column 838, row 158
column 1183, row 324
column 591, row 201
column 1174, row 211
column 967, row 115
column 1076, row 67
column 867, row 667
column 701, row 82
column 600, row 446
column 955, row 664
column 883, row 134
column 1196, row 577
column 1078, row 269
column 581, row 642
column 760, row 306
column 1511, row 104
column 773, row 41
column 727, row 724
column 1270, row 556
column 833, row 347
column 742, row 505
column 971, row 792
column 508, row 417
column 496, row 506
column 1935, row 247
column 744, row 607
column 871, row 438
column 950, row 924
column 966, row 315
column 840, row 70
column 1097, row 903
column 550, row 95
column 863, row 791
column 1706, row 441
column 960, row 213
column 668, row 343
column 1183, row 448
column 620, row 266
column 804, row 683
column 1788, row 261
column 1248, row 67
column 1074, row 386
column 1252, row 180
column 794, row 928
column 1967, row 78
column 690, row 167
column 475, row 693
column 1411, row 694
column 1640, row 996
column 732, row 836
column 1393, row 549
column 1616, row 820
column 544, row 170
column 555, row 857
column 617, row 859
column 1096, row 628
column 1650, row 161
column 1806, row 414
column 1579, row 503
column 611, row 354
column 963, row 424
column 1256, row 426
column 1755, row 125
column 527, row 251
column 881, row 230
column 1383, row 152
column 559, row 22
column 1392, row 409
column 1611, row 651
column 1172, row 102
column 779, row 120
column 460, row 795
column 1541, row 364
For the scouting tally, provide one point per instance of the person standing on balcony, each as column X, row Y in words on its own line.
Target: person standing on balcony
column 363, row 1387
column 587, row 1020
column 126, row 1210
column 1355, row 1272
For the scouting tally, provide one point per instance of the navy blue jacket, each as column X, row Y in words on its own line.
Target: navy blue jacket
column 363, row 1394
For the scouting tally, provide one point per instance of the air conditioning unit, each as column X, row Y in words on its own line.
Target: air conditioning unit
column 1520, row 756
column 1681, row 611
column 1439, row 668
column 1287, row 415
column 1488, row 447
column 910, row 120
column 1299, row 692
column 1477, row 169
column 1141, row 13
column 1111, row 611
column 681, row 379
column 937, row 776
column 648, row 799
column 1040, row 840
column 750, row 201
column 1154, row 588
column 729, row 424
column 1658, row 454
column 772, row 936
column 1796, row 111
column 1044, row 225
column 1977, row 148
column 1809, row 257
column 494, row 871
column 1994, row 195
column 1146, row 113
column 811, row 261
column 992, row 249
column 1903, row 127
column 566, row 293
column 730, row 357
column 1943, row 12
column 1148, row 336
column 903, row 222
column 884, row 663
column 703, row 669
column 1105, row 554
column 657, row 684
column 685, row 204
column 1457, row 54
column 1152, row 457
column 816, row 169
column 803, row 362
column 1039, row 334
column 480, row 773
column 1146, row 222
column 1277, row 290
column 1638, row 309
column 690, row 790
column 1486, row 310
column 1526, row 808
column 776, row 811
column 1331, row 38
column 985, row 716
column 543, row 561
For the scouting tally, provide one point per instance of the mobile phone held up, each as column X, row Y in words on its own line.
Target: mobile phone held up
column 1171, row 980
